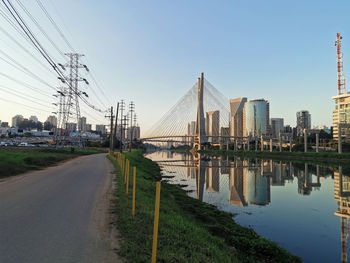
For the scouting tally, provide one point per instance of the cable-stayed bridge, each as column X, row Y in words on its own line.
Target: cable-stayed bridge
column 199, row 118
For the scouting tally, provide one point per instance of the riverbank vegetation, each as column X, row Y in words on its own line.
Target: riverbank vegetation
column 324, row 157
column 189, row 230
column 14, row 160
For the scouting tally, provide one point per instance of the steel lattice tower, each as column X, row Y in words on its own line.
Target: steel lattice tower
column 341, row 77
column 72, row 98
column 62, row 94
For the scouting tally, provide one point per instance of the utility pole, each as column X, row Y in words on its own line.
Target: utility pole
column 122, row 105
column 131, row 128
column 124, row 124
column 111, row 141
column 116, row 123
column 135, row 123
column 135, row 119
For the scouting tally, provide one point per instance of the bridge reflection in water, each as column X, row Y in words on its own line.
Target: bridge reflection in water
column 244, row 183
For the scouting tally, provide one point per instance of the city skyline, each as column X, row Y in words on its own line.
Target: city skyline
column 284, row 65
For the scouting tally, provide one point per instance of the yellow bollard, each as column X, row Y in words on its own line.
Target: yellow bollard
column 156, row 221
column 123, row 166
column 133, row 192
column 125, row 170
column 127, row 180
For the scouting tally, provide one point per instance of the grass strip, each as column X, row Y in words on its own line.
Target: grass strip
column 16, row 161
column 324, row 157
column 189, row 230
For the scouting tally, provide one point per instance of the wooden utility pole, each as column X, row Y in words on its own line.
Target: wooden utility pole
column 121, row 124
column 131, row 128
column 111, row 141
column 116, row 124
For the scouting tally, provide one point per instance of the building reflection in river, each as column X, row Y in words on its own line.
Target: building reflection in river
column 238, row 185
column 249, row 182
column 342, row 196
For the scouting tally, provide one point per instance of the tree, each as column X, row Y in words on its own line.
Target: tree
column 48, row 126
column 29, row 125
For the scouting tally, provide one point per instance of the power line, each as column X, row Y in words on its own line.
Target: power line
column 8, row 90
column 64, row 38
column 26, row 85
column 26, row 50
column 98, row 86
column 23, row 69
column 42, row 7
column 15, row 27
column 11, row 101
column 40, row 28
column 20, row 21
column 71, row 47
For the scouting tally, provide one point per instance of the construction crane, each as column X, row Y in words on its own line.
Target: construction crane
column 341, row 77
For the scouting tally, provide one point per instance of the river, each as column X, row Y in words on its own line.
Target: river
column 303, row 207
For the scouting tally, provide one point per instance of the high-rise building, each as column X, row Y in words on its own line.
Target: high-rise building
column 288, row 129
column 71, row 126
column 33, row 118
column 101, row 128
column 133, row 133
column 237, row 121
column 88, row 127
column 341, row 114
column 191, row 130
column 52, row 119
column 4, row 124
column 213, row 122
column 268, row 127
column 256, row 114
column 303, row 121
column 82, row 124
column 277, row 126
column 16, row 120
column 225, row 131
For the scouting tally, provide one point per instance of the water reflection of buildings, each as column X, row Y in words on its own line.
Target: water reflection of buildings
column 250, row 181
column 249, row 184
column 258, row 192
column 305, row 182
column 342, row 196
column 238, row 185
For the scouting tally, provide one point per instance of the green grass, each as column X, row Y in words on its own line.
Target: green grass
column 321, row 157
column 15, row 161
column 334, row 155
column 189, row 230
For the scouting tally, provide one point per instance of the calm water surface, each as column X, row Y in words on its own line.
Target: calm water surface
column 302, row 207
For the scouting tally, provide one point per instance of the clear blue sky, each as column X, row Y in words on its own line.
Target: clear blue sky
column 153, row 51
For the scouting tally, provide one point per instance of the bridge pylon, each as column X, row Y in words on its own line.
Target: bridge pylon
column 200, row 138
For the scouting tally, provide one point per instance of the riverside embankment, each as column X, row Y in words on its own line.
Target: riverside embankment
column 330, row 158
column 189, row 230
